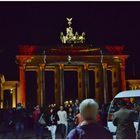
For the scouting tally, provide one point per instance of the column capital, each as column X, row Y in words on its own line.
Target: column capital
column 61, row 66
column 41, row 66
column 122, row 65
column 22, row 60
column 122, row 62
column 22, row 67
column 96, row 69
column 85, row 66
column 104, row 65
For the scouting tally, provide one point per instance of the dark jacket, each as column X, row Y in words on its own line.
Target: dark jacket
column 70, row 118
column 52, row 119
column 20, row 115
column 124, row 120
column 90, row 131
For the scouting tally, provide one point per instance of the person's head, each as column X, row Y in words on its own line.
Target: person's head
column 61, row 108
column 70, row 110
column 89, row 109
column 19, row 106
column 77, row 101
column 37, row 107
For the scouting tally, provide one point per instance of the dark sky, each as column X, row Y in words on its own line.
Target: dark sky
column 115, row 23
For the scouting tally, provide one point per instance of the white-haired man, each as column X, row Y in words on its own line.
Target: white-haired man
column 89, row 128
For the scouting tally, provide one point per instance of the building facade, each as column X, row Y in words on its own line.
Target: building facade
column 73, row 58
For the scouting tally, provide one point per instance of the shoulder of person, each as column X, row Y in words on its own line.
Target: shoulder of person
column 74, row 133
column 117, row 112
column 58, row 111
column 133, row 112
column 65, row 111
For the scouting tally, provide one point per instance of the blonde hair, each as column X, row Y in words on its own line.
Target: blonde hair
column 89, row 109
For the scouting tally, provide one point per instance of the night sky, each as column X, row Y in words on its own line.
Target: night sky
column 115, row 23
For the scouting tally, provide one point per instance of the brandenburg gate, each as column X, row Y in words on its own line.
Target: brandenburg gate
column 73, row 55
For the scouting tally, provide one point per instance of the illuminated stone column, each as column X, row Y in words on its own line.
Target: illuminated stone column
column 62, row 94
column 105, row 86
column 14, row 98
column 118, row 77
column 123, row 80
column 99, row 85
column 98, row 92
column 115, row 80
column 22, row 92
column 18, row 93
column 113, row 83
column 57, row 85
column 80, row 83
column 86, row 80
column 41, row 89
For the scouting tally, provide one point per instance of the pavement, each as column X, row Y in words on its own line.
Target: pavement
column 28, row 134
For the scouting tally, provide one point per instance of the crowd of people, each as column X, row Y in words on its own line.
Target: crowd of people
column 58, row 120
column 85, row 120
column 62, row 120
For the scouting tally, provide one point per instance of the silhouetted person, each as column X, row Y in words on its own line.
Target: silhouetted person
column 37, row 127
column 8, row 123
column 62, row 123
column 123, row 119
column 76, row 107
column 19, row 121
column 70, row 118
column 52, row 122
